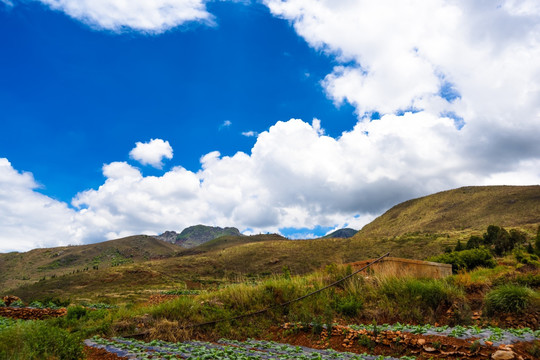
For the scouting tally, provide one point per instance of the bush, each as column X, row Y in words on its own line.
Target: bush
column 2, row 303
column 523, row 257
column 530, row 280
column 414, row 299
column 76, row 312
column 509, row 299
column 36, row 340
column 467, row 259
column 474, row 242
column 349, row 306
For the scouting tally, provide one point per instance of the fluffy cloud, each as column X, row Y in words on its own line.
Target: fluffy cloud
column 455, row 84
column 153, row 16
column 29, row 219
column 474, row 62
column 295, row 177
column 150, row 153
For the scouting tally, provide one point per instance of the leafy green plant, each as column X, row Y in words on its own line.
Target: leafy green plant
column 509, row 299
column 17, row 304
column 36, row 304
column 467, row 259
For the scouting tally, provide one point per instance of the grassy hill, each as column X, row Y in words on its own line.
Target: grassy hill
column 460, row 211
column 216, row 263
column 418, row 229
column 28, row 267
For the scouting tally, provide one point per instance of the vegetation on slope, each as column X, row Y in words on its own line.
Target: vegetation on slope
column 467, row 209
column 19, row 269
column 229, row 258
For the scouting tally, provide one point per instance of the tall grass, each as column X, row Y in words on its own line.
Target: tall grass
column 509, row 299
column 413, row 299
column 29, row 340
column 402, row 299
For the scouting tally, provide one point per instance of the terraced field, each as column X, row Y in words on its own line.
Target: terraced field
column 426, row 341
column 223, row 349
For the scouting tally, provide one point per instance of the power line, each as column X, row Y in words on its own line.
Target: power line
column 253, row 313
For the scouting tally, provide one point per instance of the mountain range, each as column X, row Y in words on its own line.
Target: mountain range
column 418, row 228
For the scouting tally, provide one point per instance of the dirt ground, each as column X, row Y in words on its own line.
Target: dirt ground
column 100, row 354
column 397, row 344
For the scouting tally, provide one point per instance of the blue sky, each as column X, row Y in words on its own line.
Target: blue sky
column 81, row 98
column 289, row 116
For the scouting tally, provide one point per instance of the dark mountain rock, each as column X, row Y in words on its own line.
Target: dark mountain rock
column 197, row 235
column 342, row 233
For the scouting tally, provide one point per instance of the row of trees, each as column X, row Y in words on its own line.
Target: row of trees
column 479, row 250
column 500, row 241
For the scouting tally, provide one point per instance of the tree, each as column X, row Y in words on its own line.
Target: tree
column 499, row 238
column 459, row 246
column 474, row 242
column 517, row 237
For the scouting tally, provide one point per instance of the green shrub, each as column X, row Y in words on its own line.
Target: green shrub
column 76, row 312
column 523, row 257
column 531, row 280
column 474, row 242
column 414, row 299
column 2, row 303
column 349, row 306
column 467, row 259
column 509, row 299
column 36, row 340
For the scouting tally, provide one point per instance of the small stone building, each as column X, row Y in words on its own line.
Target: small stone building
column 405, row 267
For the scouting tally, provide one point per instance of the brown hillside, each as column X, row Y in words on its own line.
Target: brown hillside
column 28, row 267
column 463, row 209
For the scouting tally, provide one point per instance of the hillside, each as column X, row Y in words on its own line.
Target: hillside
column 197, row 235
column 415, row 229
column 463, row 210
column 28, row 267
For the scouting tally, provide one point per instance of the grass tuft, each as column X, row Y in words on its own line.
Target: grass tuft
column 509, row 299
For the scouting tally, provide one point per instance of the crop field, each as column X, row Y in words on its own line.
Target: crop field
column 494, row 335
column 223, row 349
column 490, row 337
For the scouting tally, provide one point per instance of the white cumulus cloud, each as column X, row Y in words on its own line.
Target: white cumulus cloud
column 29, row 219
column 153, row 16
column 150, row 153
column 456, row 87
